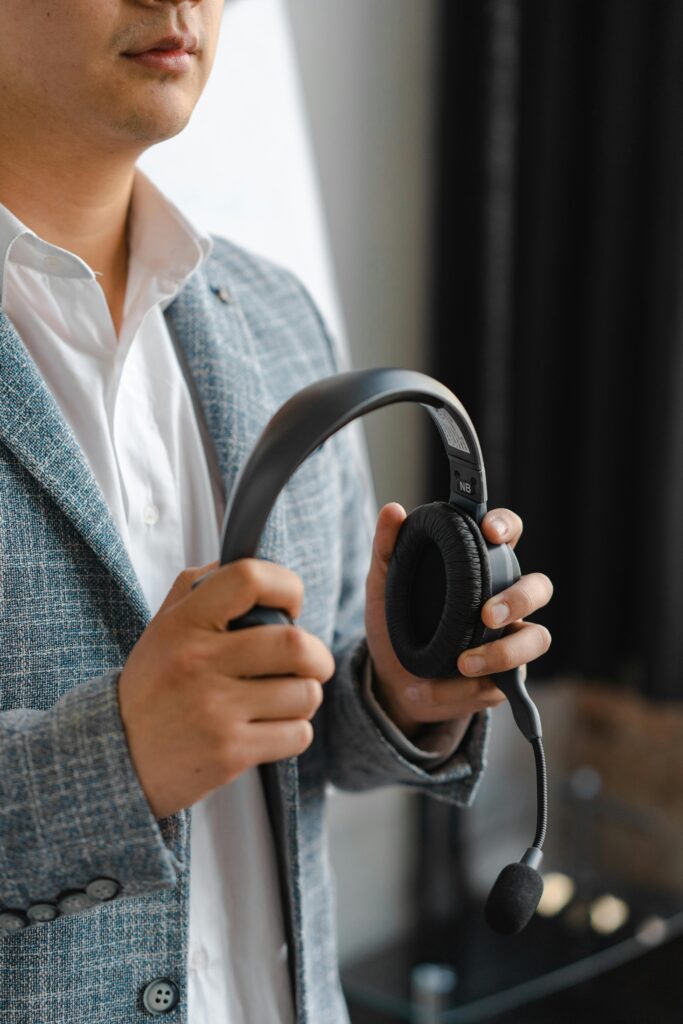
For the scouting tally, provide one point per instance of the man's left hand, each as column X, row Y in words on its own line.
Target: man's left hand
column 411, row 700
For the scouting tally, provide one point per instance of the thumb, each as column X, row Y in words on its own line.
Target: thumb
column 183, row 583
column 389, row 522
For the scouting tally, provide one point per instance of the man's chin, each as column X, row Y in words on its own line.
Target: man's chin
column 154, row 125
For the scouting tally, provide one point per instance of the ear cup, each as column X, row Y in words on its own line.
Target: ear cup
column 438, row 579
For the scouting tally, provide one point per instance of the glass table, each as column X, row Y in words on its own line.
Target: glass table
column 497, row 975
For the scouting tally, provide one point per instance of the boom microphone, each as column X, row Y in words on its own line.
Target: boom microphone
column 514, row 896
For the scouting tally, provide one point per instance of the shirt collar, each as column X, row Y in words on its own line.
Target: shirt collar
column 160, row 236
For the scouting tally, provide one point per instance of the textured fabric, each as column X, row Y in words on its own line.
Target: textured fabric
column 128, row 405
column 71, row 807
column 438, row 741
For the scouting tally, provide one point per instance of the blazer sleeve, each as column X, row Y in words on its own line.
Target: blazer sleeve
column 362, row 752
column 75, row 826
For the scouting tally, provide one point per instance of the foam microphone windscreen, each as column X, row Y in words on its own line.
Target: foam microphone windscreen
column 513, row 899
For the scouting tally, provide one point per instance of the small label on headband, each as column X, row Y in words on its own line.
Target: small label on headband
column 451, row 430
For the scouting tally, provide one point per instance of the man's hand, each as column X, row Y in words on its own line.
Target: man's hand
column 201, row 704
column 411, row 700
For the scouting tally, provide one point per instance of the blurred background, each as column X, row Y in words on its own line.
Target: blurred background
column 489, row 191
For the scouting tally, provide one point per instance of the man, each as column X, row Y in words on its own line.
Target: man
column 144, row 868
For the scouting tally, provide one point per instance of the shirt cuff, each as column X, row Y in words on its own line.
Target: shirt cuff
column 438, row 740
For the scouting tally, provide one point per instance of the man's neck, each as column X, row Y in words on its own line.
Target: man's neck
column 79, row 208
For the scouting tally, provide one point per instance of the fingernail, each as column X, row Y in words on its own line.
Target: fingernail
column 474, row 664
column 500, row 612
column 415, row 691
column 499, row 525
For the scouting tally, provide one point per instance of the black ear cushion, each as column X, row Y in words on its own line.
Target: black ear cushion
column 438, row 579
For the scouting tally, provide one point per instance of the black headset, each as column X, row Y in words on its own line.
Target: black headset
column 441, row 571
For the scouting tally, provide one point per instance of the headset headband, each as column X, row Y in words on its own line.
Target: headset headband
column 322, row 408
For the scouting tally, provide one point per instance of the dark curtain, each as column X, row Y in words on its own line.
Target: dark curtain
column 557, row 312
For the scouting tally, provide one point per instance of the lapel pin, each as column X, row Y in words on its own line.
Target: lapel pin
column 223, row 293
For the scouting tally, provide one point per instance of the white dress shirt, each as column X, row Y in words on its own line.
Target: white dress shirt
column 129, row 407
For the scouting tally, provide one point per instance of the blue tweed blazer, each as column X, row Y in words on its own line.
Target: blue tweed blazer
column 71, row 806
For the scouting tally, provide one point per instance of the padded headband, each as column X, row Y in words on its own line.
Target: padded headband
column 309, row 417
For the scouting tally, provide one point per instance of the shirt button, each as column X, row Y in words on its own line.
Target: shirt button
column 160, row 996
column 150, row 514
column 199, row 959
column 52, row 262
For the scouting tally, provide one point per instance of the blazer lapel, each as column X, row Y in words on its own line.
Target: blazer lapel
column 34, row 429
column 227, row 381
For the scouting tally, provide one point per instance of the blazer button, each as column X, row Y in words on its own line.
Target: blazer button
column 102, row 888
column 42, row 912
column 160, row 996
column 72, row 902
column 12, row 921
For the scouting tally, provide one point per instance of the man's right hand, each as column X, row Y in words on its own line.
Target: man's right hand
column 194, row 716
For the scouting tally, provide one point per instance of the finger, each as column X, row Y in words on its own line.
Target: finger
column 277, row 697
column 183, row 583
column 273, row 650
column 524, row 597
column 272, row 741
column 502, row 526
column 438, row 699
column 524, row 642
column 232, row 589
column 389, row 522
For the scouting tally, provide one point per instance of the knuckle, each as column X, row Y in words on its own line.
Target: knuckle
column 234, row 749
column 188, row 659
column 525, row 600
column 296, row 643
column 205, row 708
column 303, row 736
column 330, row 666
column 507, row 661
column 248, row 572
column 314, row 695
column 428, row 693
column 504, row 658
column 183, row 580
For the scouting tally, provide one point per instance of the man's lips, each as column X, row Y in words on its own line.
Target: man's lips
column 162, row 60
column 174, row 41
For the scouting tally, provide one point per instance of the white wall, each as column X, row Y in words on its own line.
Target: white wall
column 367, row 67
